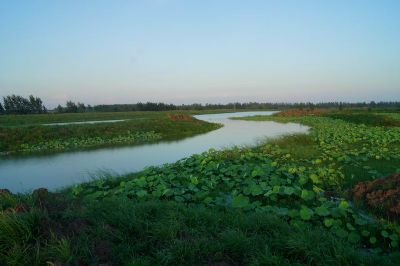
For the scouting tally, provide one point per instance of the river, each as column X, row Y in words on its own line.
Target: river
column 55, row 171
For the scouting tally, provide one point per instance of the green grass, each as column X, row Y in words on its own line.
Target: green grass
column 38, row 119
column 283, row 202
column 299, row 146
column 393, row 115
column 125, row 232
column 362, row 148
column 18, row 136
column 369, row 170
column 369, row 119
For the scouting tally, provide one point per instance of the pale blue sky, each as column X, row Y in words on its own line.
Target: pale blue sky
column 200, row 51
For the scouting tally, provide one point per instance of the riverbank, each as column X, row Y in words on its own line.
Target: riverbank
column 57, row 170
column 285, row 201
column 49, row 118
column 32, row 133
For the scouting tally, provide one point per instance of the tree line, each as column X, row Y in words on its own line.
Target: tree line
column 71, row 107
column 15, row 104
column 149, row 106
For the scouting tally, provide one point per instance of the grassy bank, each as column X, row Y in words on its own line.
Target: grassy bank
column 287, row 201
column 38, row 119
column 27, row 134
column 119, row 231
column 363, row 146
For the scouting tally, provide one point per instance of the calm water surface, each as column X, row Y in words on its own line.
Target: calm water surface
column 20, row 174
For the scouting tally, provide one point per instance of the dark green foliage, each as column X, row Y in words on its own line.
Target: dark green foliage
column 280, row 203
column 60, row 230
column 369, row 169
column 14, row 104
column 369, row 119
column 2, row 111
column 36, row 105
column 149, row 106
column 29, row 120
column 360, row 151
column 81, row 107
column 71, row 107
column 166, row 233
column 263, row 179
column 299, row 146
column 28, row 229
column 59, row 109
column 144, row 127
column 73, row 143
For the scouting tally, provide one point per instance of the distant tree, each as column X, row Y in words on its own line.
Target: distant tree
column 71, row 107
column 81, row 108
column 372, row 104
column 1, row 109
column 59, row 109
column 36, row 105
column 14, row 104
column 239, row 106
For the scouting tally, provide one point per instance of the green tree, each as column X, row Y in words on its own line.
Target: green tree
column 36, row 105
column 71, row 107
column 15, row 104
column 59, row 109
column 81, row 108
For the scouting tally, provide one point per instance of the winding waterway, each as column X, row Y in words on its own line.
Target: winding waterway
column 25, row 173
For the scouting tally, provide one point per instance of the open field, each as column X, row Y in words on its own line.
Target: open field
column 38, row 119
column 296, row 200
column 25, row 133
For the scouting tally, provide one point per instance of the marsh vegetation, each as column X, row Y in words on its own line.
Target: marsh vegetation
column 303, row 199
column 25, row 134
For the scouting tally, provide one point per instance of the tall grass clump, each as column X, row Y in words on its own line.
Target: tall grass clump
column 19, row 237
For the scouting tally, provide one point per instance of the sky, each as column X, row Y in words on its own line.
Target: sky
column 209, row 51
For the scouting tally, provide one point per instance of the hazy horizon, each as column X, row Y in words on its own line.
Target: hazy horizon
column 181, row 52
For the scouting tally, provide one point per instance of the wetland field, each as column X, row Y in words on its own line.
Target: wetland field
column 296, row 187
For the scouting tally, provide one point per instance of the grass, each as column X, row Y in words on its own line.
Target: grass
column 120, row 231
column 299, row 146
column 18, row 136
column 393, row 115
column 284, row 202
column 38, row 119
column 369, row 119
column 366, row 170
column 363, row 148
